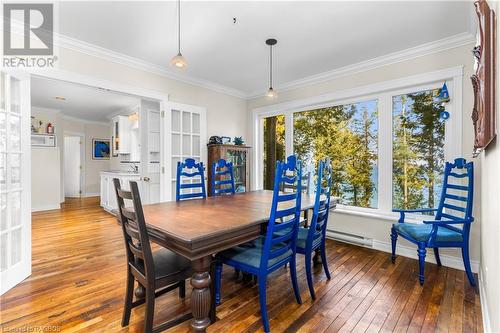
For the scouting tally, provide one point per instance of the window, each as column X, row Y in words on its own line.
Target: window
column 274, row 147
column 348, row 134
column 386, row 141
column 417, row 150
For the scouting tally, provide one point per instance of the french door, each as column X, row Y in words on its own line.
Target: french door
column 186, row 128
column 15, row 179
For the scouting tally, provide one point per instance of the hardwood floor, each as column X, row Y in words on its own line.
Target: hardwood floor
column 78, row 285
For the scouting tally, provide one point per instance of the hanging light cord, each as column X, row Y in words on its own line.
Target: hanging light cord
column 271, row 66
column 179, row 22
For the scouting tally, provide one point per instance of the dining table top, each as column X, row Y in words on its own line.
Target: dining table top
column 194, row 220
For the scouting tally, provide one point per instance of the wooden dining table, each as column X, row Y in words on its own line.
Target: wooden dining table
column 198, row 229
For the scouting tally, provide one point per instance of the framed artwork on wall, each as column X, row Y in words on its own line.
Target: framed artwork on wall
column 483, row 79
column 100, row 149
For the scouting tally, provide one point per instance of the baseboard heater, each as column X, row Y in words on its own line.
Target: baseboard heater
column 349, row 238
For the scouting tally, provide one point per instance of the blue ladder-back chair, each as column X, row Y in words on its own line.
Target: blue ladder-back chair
column 455, row 208
column 194, row 172
column 222, row 178
column 278, row 247
column 314, row 238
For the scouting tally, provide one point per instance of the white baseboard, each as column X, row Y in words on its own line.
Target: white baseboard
column 45, row 207
column 411, row 252
column 87, row 195
column 484, row 303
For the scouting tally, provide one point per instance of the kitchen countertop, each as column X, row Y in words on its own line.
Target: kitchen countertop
column 121, row 173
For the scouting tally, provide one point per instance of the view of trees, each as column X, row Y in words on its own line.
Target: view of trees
column 418, row 150
column 348, row 134
column 274, row 147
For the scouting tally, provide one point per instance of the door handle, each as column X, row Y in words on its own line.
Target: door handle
column 146, row 179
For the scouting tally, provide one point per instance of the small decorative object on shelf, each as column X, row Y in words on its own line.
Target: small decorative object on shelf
column 225, row 140
column 238, row 140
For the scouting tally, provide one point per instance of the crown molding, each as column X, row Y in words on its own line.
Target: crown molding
column 44, row 110
column 388, row 59
column 120, row 58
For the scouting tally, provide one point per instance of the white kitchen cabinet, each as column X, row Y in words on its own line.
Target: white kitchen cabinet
column 108, row 195
column 126, row 136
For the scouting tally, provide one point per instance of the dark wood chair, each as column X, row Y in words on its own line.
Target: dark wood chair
column 157, row 272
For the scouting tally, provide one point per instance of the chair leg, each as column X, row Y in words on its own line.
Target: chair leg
column 394, row 239
column 468, row 270
column 421, row 262
column 129, row 294
column 293, row 275
column 150, row 309
column 324, row 261
column 218, row 277
column 182, row 289
column 309, row 275
column 262, row 301
column 436, row 254
column 236, row 274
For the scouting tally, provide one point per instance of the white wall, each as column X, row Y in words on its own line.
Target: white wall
column 91, row 183
column 490, row 222
column 219, row 106
column 379, row 229
column 45, row 179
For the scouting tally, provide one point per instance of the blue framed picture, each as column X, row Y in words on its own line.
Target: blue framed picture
column 100, row 149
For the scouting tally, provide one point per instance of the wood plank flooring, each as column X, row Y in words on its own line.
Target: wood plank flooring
column 78, row 283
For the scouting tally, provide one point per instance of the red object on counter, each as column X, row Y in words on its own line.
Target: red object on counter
column 50, row 128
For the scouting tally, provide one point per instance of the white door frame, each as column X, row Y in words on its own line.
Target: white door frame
column 15, row 274
column 94, row 82
column 83, row 150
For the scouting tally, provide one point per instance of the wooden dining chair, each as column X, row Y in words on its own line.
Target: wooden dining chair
column 313, row 238
column 190, row 176
column 157, row 272
column 455, row 209
column 222, row 178
column 278, row 247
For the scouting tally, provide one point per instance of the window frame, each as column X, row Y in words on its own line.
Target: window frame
column 383, row 92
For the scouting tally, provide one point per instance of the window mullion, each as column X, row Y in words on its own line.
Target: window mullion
column 289, row 133
column 385, row 152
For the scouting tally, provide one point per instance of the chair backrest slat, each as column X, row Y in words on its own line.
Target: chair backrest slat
column 281, row 235
column 457, row 193
column 222, row 178
column 138, row 248
column 321, row 209
column 194, row 173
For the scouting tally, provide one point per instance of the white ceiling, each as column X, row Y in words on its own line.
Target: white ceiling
column 313, row 37
column 82, row 102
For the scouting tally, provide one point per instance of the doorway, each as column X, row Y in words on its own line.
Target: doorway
column 73, row 165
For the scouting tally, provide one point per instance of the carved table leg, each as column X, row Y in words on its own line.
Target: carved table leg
column 140, row 291
column 213, row 318
column 317, row 257
column 200, row 295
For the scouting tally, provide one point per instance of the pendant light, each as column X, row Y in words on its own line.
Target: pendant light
column 270, row 92
column 179, row 61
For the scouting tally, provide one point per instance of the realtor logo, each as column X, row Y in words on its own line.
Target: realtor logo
column 28, row 35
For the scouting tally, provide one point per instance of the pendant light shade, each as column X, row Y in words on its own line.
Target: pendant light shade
column 179, row 61
column 271, row 93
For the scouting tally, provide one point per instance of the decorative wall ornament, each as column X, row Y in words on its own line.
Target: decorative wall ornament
column 483, row 80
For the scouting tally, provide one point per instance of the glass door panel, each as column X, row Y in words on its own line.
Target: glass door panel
column 15, row 219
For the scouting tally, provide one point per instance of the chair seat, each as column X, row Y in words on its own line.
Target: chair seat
column 302, row 237
column 250, row 253
column 168, row 263
column 421, row 232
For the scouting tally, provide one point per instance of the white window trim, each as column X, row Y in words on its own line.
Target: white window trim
column 383, row 92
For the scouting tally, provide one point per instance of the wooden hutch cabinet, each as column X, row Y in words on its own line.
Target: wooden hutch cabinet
column 239, row 156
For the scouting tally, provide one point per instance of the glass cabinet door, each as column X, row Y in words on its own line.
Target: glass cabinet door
column 239, row 160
